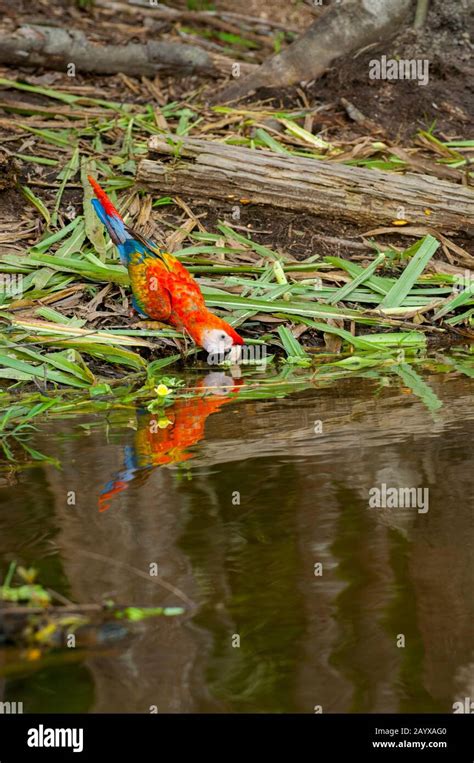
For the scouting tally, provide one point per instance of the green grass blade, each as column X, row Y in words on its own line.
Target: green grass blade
column 305, row 309
column 48, row 241
column 378, row 284
column 114, row 273
column 233, row 235
column 421, row 253
column 30, row 196
column 69, row 171
column 342, row 293
column 454, row 302
column 57, row 360
column 290, row 344
column 270, row 142
column 40, row 372
column 307, row 137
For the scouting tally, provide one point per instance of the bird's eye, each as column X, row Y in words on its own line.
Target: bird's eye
column 222, row 336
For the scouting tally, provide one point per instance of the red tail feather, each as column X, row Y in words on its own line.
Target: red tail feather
column 103, row 198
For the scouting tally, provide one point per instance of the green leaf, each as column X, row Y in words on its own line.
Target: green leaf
column 52, row 315
column 48, row 241
column 157, row 365
column 373, row 342
column 72, row 363
column 36, row 201
column 68, row 333
column 135, row 614
column 233, row 235
column 69, row 170
column 378, row 284
column 308, row 309
column 273, row 144
column 40, row 372
column 342, row 293
column 308, row 137
column 356, row 362
column 290, row 344
column 114, row 273
column 108, row 353
column 454, row 302
column 420, row 253
column 37, row 159
column 100, row 389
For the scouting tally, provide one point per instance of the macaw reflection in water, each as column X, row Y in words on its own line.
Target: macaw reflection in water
column 166, row 440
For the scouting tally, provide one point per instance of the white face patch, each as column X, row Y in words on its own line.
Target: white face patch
column 216, row 341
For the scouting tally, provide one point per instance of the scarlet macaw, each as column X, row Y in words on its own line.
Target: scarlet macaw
column 163, row 289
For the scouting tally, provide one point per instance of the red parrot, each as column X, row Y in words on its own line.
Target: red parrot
column 183, row 426
column 163, row 290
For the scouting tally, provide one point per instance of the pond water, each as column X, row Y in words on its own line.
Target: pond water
column 259, row 511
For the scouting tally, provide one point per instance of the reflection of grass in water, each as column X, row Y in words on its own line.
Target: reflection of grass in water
column 28, row 538
column 28, row 529
column 401, row 617
column 54, row 689
column 250, row 550
column 354, row 526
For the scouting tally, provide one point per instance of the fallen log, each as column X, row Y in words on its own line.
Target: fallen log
column 59, row 49
column 207, row 169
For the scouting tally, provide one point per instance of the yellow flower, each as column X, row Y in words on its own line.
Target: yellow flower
column 163, row 423
column 33, row 654
column 162, row 390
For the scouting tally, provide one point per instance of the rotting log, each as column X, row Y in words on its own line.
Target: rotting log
column 203, row 169
column 55, row 48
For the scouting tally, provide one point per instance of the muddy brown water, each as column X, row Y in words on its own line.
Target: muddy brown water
column 306, row 596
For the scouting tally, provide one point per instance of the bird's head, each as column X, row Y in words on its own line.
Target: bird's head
column 218, row 338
